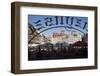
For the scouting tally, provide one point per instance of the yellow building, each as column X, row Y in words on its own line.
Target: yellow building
column 74, row 37
column 60, row 37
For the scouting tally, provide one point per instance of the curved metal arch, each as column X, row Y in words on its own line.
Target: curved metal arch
column 56, row 27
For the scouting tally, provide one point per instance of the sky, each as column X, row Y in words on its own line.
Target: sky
column 51, row 24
